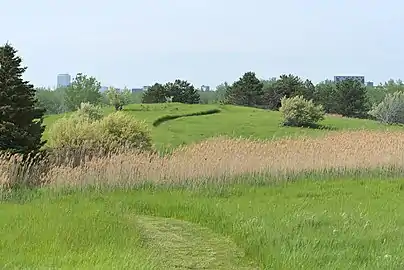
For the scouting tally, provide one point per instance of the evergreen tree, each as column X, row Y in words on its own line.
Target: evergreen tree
column 247, row 91
column 351, row 99
column 157, row 93
column 183, row 92
column 20, row 116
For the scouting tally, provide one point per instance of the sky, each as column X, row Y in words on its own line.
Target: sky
column 139, row 42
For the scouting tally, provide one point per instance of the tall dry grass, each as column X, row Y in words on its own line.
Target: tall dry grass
column 221, row 158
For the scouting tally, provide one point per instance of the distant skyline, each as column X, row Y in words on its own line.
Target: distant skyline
column 139, row 42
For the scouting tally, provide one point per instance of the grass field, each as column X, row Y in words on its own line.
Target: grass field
column 231, row 121
column 299, row 202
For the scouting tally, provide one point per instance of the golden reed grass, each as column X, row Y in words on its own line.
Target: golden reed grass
column 224, row 157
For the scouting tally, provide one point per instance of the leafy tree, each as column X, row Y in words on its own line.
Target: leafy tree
column 118, row 98
column 247, row 91
column 182, row 91
column 221, row 90
column 297, row 111
column 390, row 110
column 351, row 99
column 157, row 93
column 51, row 100
column 287, row 86
column 82, row 89
column 20, row 116
column 325, row 95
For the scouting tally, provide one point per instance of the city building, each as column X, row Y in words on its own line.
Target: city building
column 205, row 88
column 63, row 80
column 103, row 89
column 361, row 79
column 135, row 90
column 369, row 84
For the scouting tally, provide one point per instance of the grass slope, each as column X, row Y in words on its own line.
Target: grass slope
column 232, row 121
column 78, row 233
column 336, row 224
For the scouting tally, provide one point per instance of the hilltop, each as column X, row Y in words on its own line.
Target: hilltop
column 225, row 120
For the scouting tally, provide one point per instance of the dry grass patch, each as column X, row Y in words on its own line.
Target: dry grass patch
column 221, row 158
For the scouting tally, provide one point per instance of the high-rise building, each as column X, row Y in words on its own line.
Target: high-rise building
column 63, row 80
column 205, row 88
column 360, row 79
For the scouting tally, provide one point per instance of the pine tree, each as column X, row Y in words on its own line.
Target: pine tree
column 247, row 91
column 20, row 116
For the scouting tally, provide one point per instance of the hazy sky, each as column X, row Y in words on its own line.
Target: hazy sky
column 139, row 42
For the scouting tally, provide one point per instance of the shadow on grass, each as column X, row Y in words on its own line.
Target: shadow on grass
column 311, row 126
column 166, row 118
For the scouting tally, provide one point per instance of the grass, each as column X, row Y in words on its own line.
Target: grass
column 328, row 200
column 232, row 121
column 307, row 224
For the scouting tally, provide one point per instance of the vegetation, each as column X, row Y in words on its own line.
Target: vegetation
column 82, row 89
column 390, row 110
column 20, row 117
column 178, row 91
column 299, row 112
column 237, row 190
column 118, row 98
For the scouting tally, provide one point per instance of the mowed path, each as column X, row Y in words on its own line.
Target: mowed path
column 184, row 245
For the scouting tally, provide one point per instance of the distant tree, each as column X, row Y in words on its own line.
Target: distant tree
column 247, row 91
column 118, row 98
column 286, row 86
column 182, row 91
column 82, row 89
column 20, row 116
column 52, row 100
column 220, row 91
column 351, row 99
column 325, row 95
column 157, row 93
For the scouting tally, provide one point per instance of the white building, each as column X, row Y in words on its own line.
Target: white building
column 63, row 80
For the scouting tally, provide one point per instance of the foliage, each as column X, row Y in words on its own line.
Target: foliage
column 286, row 86
column 52, row 100
column 247, row 91
column 166, row 118
column 82, row 89
column 155, row 94
column 20, row 116
column 325, row 95
column 351, row 99
column 297, row 111
column 118, row 98
column 390, row 110
column 181, row 91
column 89, row 111
column 122, row 130
column 113, row 132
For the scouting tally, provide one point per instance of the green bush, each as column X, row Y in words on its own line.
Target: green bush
column 390, row 110
column 297, row 111
column 90, row 111
column 122, row 130
column 113, row 133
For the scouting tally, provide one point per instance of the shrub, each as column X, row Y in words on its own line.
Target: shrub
column 77, row 137
column 390, row 110
column 90, row 111
column 121, row 130
column 297, row 111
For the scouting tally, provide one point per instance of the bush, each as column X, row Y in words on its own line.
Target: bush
column 78, row 135
column 390, row 110
column 297, row 111
column 90, row 111
column 121, row 130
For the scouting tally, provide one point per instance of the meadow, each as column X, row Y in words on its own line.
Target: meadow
column 235, row 191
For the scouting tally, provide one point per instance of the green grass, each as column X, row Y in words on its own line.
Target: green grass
column 231, row 121
column 334, row 224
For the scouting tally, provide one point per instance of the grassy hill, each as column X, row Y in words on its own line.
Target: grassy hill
column 232, row 121
column 323, row 202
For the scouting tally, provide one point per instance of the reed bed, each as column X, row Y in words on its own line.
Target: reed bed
column 219, row 159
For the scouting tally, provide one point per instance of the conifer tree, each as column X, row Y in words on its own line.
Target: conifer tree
column 20, row 116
